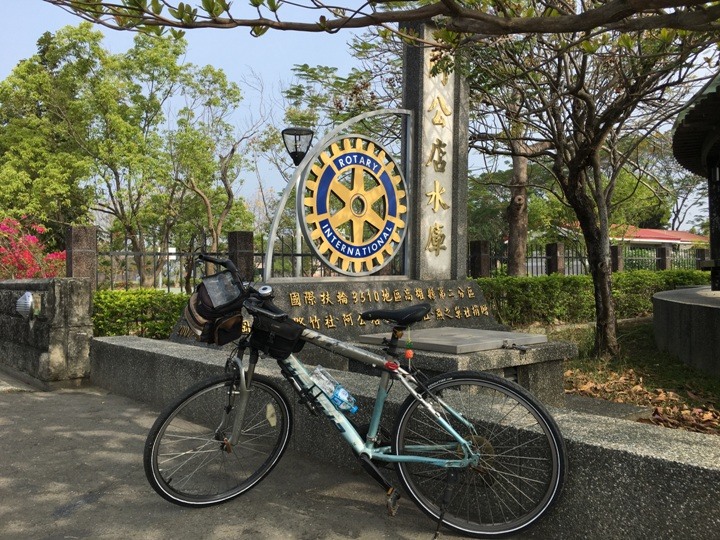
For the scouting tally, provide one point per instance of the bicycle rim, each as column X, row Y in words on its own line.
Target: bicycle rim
column 189, row 460
column 522, row 459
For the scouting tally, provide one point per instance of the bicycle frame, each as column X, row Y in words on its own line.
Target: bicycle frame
column 303, row 384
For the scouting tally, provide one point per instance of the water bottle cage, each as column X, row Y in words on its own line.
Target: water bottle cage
column 307, row 397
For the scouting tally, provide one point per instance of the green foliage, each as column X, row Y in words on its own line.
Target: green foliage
column 522, row 301
column 140, row 312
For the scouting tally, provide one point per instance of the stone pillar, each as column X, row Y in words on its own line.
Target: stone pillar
column 241, row 252
column 700, row 255
column 664, row 258
column 616, row 257
column 439, row 164
column 81, row 246
column 555, row 258
column 479, row 258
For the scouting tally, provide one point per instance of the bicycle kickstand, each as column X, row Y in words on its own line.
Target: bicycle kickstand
column 450, row 480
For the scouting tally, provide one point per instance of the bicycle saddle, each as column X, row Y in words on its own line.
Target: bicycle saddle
column 401, row 317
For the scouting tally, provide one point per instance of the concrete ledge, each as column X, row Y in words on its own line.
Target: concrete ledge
column 627, row 480
column 686, row 324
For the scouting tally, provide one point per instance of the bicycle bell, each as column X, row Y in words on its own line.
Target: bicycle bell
column 266, row 291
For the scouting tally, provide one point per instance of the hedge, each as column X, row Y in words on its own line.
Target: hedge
column 522, row 301
column 140, row 312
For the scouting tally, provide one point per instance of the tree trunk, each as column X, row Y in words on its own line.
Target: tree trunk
column 517, row 217
column 592, row 215
column 605, row 320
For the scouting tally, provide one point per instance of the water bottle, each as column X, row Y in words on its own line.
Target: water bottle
column 340, row 397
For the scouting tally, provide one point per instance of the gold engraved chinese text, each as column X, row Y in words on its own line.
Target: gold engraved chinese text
column 435, row 197
column 437, row 156
column 436, row 239
column 441, row 109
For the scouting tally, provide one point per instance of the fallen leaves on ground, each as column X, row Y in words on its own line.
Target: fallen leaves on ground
column 671, row 409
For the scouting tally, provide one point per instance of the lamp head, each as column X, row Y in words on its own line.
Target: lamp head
column 297, row 142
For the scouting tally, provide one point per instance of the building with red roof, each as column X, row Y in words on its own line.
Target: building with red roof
column 629, row 234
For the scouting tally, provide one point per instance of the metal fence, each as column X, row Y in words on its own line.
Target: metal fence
column 538, row 261
column 651, row 258
column 118, row 265
column 177, row 271
column 576, row 263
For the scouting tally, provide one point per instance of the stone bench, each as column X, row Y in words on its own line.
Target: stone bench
column 626, row 479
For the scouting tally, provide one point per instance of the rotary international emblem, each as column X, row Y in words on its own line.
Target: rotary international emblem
column 352, row 206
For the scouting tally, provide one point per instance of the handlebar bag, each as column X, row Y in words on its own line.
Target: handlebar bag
column 227, row 329
column 277, row 338
column 218, row 295
column 219, row 331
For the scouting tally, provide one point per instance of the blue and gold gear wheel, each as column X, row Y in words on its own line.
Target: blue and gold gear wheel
column 352, row 206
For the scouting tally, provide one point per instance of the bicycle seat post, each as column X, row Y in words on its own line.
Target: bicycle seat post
column 392, row 349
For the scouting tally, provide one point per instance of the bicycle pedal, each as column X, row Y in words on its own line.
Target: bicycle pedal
column 392, row 502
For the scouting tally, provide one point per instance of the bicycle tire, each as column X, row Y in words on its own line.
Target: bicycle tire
column 186, row 458
column 523, row 458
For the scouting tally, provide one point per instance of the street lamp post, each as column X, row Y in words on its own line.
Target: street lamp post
column 297, row 142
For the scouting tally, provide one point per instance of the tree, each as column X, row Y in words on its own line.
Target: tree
column 594, row 103
column 657, row 166
column 204, row 149
column 41, row 167
column 498, row 129
column 471, row 19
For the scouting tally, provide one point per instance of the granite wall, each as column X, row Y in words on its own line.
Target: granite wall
column 53, row 344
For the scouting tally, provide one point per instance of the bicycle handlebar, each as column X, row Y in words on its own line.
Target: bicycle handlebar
column 227, row 263
column 259, row 305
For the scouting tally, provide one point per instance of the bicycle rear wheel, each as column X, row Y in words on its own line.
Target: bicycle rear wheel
column 188, row 458
column 522, row 462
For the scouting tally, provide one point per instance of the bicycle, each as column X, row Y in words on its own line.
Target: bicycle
column 475, row 452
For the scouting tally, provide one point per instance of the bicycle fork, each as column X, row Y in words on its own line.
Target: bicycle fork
column 238, row 396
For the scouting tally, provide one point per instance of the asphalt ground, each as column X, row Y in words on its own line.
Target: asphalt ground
column 71, row 467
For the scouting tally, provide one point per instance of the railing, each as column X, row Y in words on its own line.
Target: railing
column 486, row 260
column 90, row 255
column 176, row 271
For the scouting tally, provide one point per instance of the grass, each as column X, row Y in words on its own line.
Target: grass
column 679, row 396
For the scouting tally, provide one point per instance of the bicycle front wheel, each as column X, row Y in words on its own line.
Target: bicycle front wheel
column 522, row 458
column 189, row 459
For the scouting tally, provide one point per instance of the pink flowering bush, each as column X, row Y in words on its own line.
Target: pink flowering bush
column 22, row 254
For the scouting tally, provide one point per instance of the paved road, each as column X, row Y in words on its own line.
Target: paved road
column 71, row 467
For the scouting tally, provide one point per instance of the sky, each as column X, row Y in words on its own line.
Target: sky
column 235, row 51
